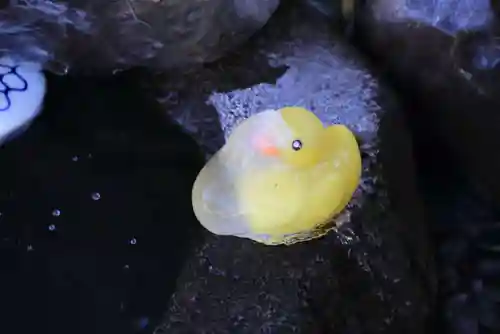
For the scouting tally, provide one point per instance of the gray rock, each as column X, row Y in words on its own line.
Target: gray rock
column 373, row 275
column 443, row 56
column 446, row 54
column 106, row 35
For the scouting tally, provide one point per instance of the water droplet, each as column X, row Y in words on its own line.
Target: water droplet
column 75, row 158
column 52, row 227
column 126, row 266
column 96, row 196
column 56, row 213
column 133, row 241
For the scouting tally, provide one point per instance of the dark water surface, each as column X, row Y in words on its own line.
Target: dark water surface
column 95, row 204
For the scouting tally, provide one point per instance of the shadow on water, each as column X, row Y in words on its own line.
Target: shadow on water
column 96, row 211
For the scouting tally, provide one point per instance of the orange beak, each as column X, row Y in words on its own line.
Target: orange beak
column 264, row 146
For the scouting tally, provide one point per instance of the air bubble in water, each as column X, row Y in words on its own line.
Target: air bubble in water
column 96, row 196
column 56, row 213
column 52, row 227
column 143, row 322
column 133, row 241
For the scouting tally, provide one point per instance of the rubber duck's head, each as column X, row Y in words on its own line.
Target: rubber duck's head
column 292, row 134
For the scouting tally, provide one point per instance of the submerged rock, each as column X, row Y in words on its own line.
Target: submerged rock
column 375, row 274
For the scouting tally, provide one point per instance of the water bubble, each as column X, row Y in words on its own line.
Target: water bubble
column 56, row 212
column 133, row 241
column 29, row 248
column 96, row 196
column 75, row 158
column 58, row 67
column 143, row 322
column 52, row 227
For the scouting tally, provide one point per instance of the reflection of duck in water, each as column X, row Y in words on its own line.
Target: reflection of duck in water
column 22, row 88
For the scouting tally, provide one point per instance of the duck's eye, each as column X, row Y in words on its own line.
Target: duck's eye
column 296, row 145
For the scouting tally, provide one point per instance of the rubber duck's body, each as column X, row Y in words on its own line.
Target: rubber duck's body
column 280, row 177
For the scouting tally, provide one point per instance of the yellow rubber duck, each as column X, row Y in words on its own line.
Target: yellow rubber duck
column 280, row 178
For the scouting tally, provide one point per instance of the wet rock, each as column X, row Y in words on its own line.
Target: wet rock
column 375, row 274
column 334, row 9
column 95, row 211
column 443, row 55
column 107, row 35
column 467, row 234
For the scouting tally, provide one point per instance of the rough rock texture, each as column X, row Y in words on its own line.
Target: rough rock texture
column 442, row 56
column 467, row 233
column 446, row 53
column 107, row 35
column 375, row 275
